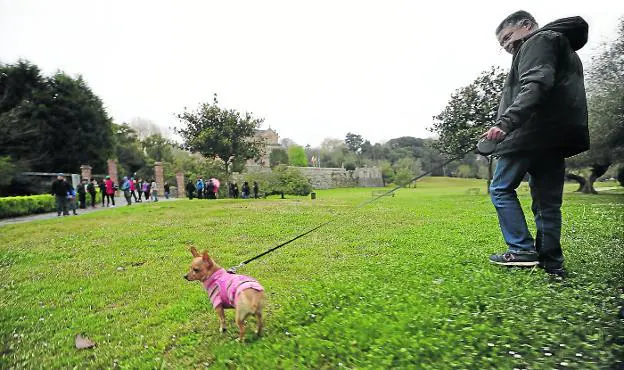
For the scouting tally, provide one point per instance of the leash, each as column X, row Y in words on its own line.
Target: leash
column 233, row 269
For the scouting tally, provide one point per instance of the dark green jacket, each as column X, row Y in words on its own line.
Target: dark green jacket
column 544, row 107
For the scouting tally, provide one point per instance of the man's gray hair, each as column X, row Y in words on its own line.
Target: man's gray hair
column 517, row 18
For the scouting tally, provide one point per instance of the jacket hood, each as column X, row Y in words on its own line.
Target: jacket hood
column 573, row 28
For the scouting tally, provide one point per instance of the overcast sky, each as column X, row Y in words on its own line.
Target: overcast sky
column 312, row 69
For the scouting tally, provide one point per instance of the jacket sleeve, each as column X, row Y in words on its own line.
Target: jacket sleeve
column 536, row 70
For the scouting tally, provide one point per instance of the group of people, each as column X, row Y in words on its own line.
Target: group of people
column 148, row 188
column 203, row 189
column 65, row 194
column 245, row 191
column 210, row 189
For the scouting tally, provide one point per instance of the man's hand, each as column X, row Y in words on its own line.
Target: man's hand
column 495, row 133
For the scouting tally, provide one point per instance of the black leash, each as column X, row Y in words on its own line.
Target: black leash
column 232, row 270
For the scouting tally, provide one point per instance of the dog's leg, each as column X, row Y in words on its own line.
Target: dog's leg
column 259, row 321
column 240, row 321
column 221, row 314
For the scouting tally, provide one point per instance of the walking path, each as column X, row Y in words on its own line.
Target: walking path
column 119, row 201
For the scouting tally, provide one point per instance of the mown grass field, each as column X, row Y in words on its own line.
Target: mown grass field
column 401, row 283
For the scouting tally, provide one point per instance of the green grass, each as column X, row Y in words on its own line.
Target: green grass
column 403, row 282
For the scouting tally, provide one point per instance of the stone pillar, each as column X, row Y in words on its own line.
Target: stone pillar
column 112, row 171
column 180, row 184
column 85, row 171
column 159, row 176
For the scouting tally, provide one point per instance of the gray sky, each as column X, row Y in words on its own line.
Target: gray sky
column 312, row 69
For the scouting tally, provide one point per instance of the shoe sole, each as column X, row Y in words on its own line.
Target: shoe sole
column 523, row 264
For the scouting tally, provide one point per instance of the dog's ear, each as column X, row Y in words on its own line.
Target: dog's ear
column 194, row 252
column 207, row 259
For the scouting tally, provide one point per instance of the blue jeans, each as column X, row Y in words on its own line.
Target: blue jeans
column 546, row 176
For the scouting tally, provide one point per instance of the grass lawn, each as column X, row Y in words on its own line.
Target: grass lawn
column 403, row 282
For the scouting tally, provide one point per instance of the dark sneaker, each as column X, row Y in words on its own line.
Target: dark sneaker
column 559, row 272
column 513, row 259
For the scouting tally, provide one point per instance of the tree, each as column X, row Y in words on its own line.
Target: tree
column 297, row 156
column 287, row 143
column 387, row 172
column 605, row 88
column 157, row 148
column 354, row 142
column 145, row 127
column 332, row 152
column 406, row 169
column 278, row 156
column 471, row 110
column 217, row 132
column 128, row 151
column 60, row 114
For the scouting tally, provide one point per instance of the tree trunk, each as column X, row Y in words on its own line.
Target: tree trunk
column 580, row 179
column 587, row 185
column 596, row 171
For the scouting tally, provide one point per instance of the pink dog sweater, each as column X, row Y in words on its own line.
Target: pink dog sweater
column 223, row 288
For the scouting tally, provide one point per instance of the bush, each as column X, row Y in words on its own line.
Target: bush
column 288, row 180
column 20, row 206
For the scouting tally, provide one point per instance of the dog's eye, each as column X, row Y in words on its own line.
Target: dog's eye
column 196, row 269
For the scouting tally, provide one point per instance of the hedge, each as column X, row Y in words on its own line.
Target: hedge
column 32, row 204
column 20, row 206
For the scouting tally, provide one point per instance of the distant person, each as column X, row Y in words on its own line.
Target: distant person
column 71, row 199
column 235, row 190
column 109, row 186
column 133, row 189
column 167, row 189
column 146, row 189
column 60, row 188
column 256, row 189
column 199, row 186
column 210, row 187
column 92, row 192
column 245, row 190
column 154, row 190
column 82, row 194
column 125, row 187
column 103, row 191
column 190, row 189
column 139, row 187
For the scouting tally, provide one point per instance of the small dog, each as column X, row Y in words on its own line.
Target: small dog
column 243, row 293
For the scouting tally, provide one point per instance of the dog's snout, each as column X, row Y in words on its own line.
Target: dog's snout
column 186, row 276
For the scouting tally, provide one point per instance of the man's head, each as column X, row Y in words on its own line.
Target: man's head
column 513, row 28
column 60, row 176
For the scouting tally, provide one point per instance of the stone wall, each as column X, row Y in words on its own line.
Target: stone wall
column 368, row 177
column 328, row 178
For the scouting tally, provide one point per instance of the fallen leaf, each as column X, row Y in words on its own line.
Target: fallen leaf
column 84, row 342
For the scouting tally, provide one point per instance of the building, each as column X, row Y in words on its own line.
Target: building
column 271, row 142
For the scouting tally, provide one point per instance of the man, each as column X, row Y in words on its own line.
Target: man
column 542, row 119
column 60, row 190
column 125, row 187
column 91, row 190
column 199, row 185
column 82, row 194
column 167, row 189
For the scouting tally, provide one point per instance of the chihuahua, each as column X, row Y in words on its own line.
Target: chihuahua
column 227, row 290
